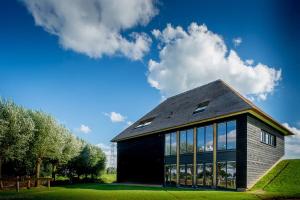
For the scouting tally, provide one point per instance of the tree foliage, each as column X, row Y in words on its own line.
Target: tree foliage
column 31, row 141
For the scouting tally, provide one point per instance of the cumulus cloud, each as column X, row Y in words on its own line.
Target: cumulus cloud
column 115, row 117
column 191, row 58
column 95, row 27
column 237, row 41
column 84, row 129
column 292, row 143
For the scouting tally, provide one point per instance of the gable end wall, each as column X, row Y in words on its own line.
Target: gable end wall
column 260, row 156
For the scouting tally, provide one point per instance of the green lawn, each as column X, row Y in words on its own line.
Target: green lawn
column 107, row 192
column 282, row 182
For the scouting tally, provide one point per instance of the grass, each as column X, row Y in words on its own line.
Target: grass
column 283, row 181
column 121, row 192
column 108, row 178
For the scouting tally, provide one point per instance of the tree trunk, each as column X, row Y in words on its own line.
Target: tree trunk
column 53, row 171
column 1, row 183
column 37, row 174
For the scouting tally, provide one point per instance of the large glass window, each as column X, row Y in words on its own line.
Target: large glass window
column 189, row 174
column 231, row 135
column 200, row 175
column 173, row 144
column 186, row 141
column 170, row 174
column 170, row 144
column 167, row 175
column 182, row 142
column 200, row 139
column 182, row 174
column 221, row 174
column 209, row 133
column 231, row 174
column 190, row 141
column 208, row 174
column 173, row 173
column 167, row 144
column 221, row 136
column 226, row 133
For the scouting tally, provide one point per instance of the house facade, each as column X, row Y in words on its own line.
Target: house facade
column 210, row 136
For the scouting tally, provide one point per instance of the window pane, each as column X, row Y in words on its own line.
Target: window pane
column 173, row 144
column 267, row 138
column 200, row 175
column 182, row 142
column 189, row 174
column 231, row 135
column 221, row 174
column 200, row 139
column 231, row 174
column 167, row 144
column 221, row 132
column 208, row 174
column 167, row 174
column 209, row 138
column 182, row 174
column 190, row 140
column 173, row 174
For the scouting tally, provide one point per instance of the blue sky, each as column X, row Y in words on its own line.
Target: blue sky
column 55, row 67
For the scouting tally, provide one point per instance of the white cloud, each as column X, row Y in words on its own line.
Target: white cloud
column 95, row 27
column 292, row 143
column 115, row 117
column 237, row 41
column 84, row 129
column 197, row 56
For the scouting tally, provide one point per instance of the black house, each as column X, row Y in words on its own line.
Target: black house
column 210, row 136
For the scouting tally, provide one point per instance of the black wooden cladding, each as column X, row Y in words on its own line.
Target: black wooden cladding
column 241, row 151
column 141, row 160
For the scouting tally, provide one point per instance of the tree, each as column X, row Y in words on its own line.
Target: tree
column 47, row 140
column 16, row 129
column 71, row 148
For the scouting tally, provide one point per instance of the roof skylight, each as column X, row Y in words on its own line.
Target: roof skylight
column 144, row 123
column 201, row 107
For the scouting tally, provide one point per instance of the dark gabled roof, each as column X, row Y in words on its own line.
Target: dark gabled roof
column 179, row 110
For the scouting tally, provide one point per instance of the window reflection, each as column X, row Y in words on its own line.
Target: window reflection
column 190, row 141
column 221, row 174
column 231, row 174
column 167, row 174
column 182, row 142
column 208, row 174
column 231, row 135
column 200, row 139
column 182, row 174
column 221, row 131
column 167, row 144
column 189, row 174
column 200, row 175
column 173, row 173
column 173, row 144
column 209, row 138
